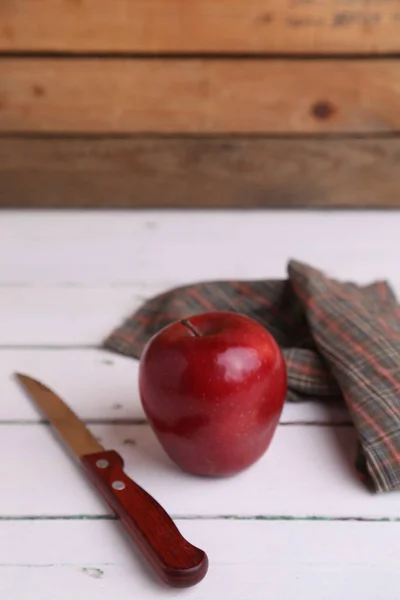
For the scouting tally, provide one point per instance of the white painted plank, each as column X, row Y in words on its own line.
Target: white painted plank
column 96, row 248
column 307, row 471
column 248, row 559
column 66, row 316
column 101, row 385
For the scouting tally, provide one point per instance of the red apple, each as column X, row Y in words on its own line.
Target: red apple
column 213, row 388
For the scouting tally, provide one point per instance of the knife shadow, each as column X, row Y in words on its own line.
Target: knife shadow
column 139, row 447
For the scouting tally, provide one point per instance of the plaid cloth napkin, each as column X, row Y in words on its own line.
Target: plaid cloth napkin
column 338, row 339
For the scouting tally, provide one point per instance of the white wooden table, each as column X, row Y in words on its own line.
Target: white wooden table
column 297, row 525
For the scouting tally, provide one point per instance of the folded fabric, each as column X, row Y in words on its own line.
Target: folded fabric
column 338, row 339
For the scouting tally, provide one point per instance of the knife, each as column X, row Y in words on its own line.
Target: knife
column 173, row 558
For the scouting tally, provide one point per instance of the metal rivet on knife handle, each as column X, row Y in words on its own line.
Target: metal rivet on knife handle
column 118, row 485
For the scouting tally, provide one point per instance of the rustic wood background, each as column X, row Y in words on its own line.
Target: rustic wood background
column 200, row 103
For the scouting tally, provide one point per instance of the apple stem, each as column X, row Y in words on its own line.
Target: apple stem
column 192, row 328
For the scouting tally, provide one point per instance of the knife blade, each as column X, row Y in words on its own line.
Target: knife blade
column 176, row 561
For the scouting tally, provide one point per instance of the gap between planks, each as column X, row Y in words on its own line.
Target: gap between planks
column 109, row 136
column 227, row 517
column 18, row 422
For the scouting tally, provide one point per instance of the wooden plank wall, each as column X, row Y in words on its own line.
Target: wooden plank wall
column 202, row 103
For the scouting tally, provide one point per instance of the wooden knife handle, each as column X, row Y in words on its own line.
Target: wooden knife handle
column 175, row 560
